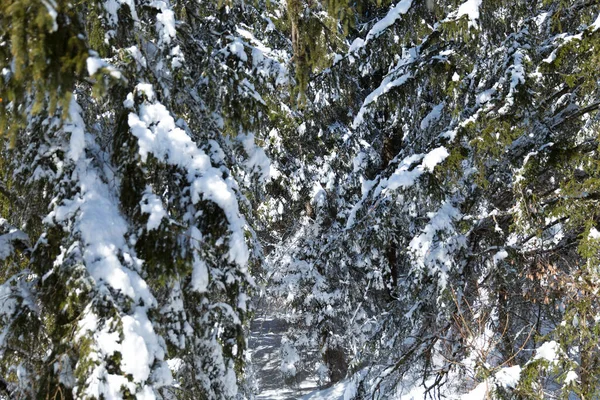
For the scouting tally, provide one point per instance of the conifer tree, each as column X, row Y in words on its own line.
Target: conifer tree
column 416, row 181
column 129, row 166
column 440, row 247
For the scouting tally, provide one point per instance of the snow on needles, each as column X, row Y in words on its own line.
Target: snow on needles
column 152, row 205
column 434, row 256
column 7, row 239
column 157, row 134
column 405, row 175
column 434, row 157
column 596, row 24
column 257, row 161
column 75, row 126
column 471, row 9
column 100, row 225
column 395, row 12
column 388, row 83
column 139, row 347
column 433, row 116
column 509, row 376
column 548, row 351
column 113, row 266
column 103, row 231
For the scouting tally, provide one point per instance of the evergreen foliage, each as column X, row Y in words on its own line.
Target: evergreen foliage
column 417, row 182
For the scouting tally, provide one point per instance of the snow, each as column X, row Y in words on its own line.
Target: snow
column 101, row 227
column 140, row 346
column 51, row 8
column 100, row 236
column 129, row 102
column 480, row 392
column 356, row 44
column 366, row 187
column 74, row 126
column 571, row 377
column 407, row 173
column 137, row 56
column 237, row 48
column 429, row 255
column 499, row 256
column 178, row 58
column 199, row 275
column 112, row 8
column 8, row 238
column 596, row 24
column 250, row 37
column 266, row 61
column 485, row 96
column 388, row 83
column 392, row 16
column 257, row 160
column 434, row 157
column 336, row 392
column 101, row 231
column 471, row 9
column 95, row 63
column 594, row 234
column 509, row 376
column 392, row 79
column 289, row 358
column 8, row 306
column 517, row 77
column 158, row 135
column 318, row 195
column 146, row 89
column 152, row 204
column 541, row 18
column 563, row 39
column 350, row 391
column 409, row 388
column 166, row 19
column 548, row 351
column 302, row 129
column 433, row 116
column 403, row 176
column 359, row 161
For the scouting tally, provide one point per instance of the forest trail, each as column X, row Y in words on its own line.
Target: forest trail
column 266, row 332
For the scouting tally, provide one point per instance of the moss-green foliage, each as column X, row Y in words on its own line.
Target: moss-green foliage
column 530, row 153
column 561, row 181
column 40, row 57
column 317, row 32
column 96, row 31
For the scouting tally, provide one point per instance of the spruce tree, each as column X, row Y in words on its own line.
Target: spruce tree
column 441, row 247
column 415, row 181
column 130, row 166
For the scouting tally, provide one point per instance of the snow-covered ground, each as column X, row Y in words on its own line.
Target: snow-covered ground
column 336, row 392
column 264, row 347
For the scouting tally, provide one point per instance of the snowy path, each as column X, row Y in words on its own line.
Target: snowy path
column 264, row 344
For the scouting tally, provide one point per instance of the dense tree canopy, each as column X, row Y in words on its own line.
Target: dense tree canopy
column 418, row 183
